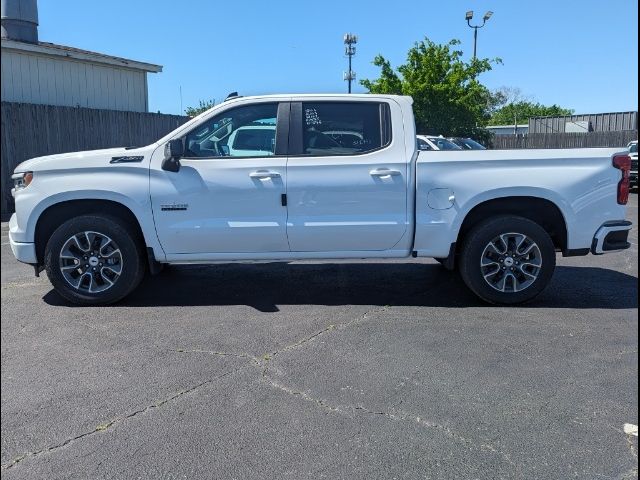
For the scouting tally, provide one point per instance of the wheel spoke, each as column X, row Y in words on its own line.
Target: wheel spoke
column 532, row 262
column 502, row 283
column 530, row 275
column 70, row 267
column 486, row 261
column 104, row 245
column 523, row 238
column 527, row 250
column 105, row 278
column 494, row 245
column 115, row 269
column 493, row 273
column 91, row 281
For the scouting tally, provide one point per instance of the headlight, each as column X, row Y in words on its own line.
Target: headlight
column 21, row 180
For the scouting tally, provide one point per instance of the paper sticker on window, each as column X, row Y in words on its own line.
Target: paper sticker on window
column 311, row 117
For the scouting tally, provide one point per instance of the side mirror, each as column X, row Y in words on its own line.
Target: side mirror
column 173, row 152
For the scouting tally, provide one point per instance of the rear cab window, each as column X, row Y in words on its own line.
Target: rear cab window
column 344, row 128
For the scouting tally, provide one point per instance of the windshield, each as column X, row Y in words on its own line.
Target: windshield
column 469, row 144
column 633, row 148
column 444, row 144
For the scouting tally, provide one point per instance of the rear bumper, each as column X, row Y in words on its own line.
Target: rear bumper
column 611, row 237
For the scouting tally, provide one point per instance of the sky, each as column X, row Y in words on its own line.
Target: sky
column 579, row 54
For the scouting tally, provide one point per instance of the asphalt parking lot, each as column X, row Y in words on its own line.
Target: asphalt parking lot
column 338, row 370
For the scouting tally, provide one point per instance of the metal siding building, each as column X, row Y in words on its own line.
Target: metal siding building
column 508, row 129
column 49, row 74
column 598, row 122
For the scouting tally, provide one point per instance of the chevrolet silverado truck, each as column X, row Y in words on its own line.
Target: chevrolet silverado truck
column 288, row 188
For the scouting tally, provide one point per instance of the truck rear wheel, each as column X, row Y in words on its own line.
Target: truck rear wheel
column 507, row 260
column 94, row 260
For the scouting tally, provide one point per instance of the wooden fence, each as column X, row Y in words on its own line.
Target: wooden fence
column 30, row 130
column 565, row 140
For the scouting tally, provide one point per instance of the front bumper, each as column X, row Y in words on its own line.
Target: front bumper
column 23, row 251
column 611, row 237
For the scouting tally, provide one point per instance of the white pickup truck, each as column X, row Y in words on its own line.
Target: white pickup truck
column 314, row 177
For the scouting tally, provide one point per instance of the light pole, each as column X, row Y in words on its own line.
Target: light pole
column 468, row 18
column 350, row 50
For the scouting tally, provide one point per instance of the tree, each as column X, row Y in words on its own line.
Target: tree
column 448, row 98
column 203, row 106
column 520, row 111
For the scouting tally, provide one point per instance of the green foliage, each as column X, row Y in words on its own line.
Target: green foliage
column 202, row 107
column 521, row 111
column 448, row 98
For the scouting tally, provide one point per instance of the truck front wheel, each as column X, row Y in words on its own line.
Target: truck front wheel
column 94, row 260
column 507, row 260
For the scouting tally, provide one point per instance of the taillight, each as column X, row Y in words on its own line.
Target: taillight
column 623, row 163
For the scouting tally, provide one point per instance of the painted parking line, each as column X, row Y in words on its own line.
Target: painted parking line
column 630, row 429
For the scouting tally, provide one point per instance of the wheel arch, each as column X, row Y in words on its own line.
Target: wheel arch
column 540, row 210
column 55, row 214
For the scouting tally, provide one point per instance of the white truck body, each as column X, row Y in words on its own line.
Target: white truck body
column 390, row 202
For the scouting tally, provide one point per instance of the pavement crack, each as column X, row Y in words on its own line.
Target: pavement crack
column 303, row 395
column 631, row 446
column 267, row 357
column 398, row 416
column 107, row 425
column 246, row 356
column 407, row 417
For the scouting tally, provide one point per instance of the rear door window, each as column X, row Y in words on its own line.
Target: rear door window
column 344, row 128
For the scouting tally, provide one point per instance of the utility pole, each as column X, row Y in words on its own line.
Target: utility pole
column 468, row 18
column 350, row 50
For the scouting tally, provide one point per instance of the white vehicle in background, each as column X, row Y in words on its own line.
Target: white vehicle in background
column 633, row 153
column 430, row 142
column 252, row 141
column 288, row 177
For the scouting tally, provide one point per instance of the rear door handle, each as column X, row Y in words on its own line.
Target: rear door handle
column 384, row 172
column 264, row 174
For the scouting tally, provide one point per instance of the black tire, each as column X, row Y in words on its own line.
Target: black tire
column 473, row 251
column 130, row 253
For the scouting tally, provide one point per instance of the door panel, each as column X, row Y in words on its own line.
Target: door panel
column 344, row 202
column 229, row 206
column 224, row 204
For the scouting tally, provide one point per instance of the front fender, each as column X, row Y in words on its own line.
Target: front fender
column 140, row 207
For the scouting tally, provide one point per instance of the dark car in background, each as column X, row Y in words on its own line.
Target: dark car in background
column 467, row 143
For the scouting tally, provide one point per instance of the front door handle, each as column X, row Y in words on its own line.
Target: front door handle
column 264, row 174
column 384, row 172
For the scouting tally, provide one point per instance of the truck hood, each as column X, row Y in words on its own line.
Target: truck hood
column 86, row 159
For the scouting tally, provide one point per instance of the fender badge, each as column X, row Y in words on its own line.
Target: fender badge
column 172, row 207
column 130, row 159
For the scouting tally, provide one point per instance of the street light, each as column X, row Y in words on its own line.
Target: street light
column 350, row 40
column 468, row 18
